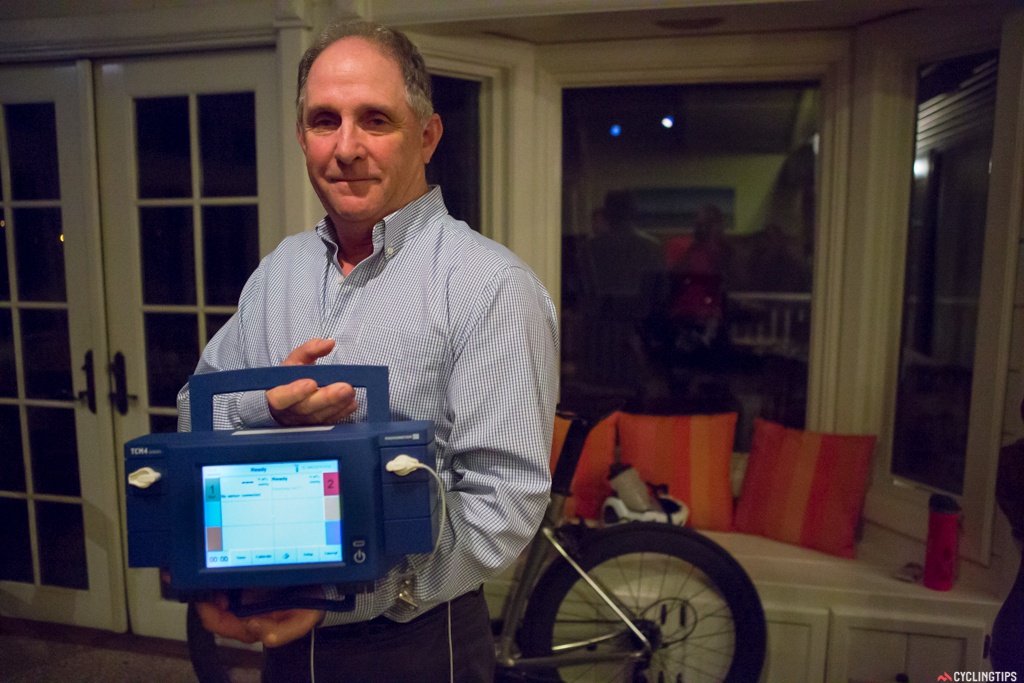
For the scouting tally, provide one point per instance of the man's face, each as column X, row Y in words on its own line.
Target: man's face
column 365, row 148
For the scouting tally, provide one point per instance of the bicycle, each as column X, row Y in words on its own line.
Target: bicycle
column 640, row 601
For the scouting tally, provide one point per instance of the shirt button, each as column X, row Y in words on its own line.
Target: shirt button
column 390, row 251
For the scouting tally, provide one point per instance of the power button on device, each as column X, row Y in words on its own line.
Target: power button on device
column 359, row 556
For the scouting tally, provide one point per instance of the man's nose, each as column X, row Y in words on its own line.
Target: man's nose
column 349, row 144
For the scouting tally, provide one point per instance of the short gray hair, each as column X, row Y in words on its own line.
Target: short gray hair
column 392, row 43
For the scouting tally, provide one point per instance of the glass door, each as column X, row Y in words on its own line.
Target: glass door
column 189, row 163
column 61, row 557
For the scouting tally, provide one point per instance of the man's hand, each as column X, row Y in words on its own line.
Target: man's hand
column 304, row 403
column 273, row 629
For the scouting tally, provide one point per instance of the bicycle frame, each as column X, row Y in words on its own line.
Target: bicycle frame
column 541, row 550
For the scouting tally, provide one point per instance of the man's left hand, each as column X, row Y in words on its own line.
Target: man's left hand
column 273, row 629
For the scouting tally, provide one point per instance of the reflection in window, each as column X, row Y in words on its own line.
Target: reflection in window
column 39, row 254
column 32, row 150
column 162, row 146
column 166, row 239
column 46, row 353
column 227, row 143
column 62, row 560
column 172, row 352
column 688, row 239
column 956, row 102
column 16, row 560
column 231, row 250
column 5, row 287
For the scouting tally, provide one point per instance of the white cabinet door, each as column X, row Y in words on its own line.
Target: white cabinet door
column 189, row 152
column 929, row 656
column 878, row 646
column 797, row 639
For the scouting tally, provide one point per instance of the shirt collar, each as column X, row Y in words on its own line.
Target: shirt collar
column 395, row 230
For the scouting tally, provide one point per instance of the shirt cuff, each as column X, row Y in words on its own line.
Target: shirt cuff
column 332, row 618
column 360, row 612
column 254, row 410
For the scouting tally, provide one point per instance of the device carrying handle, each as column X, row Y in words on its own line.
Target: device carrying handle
column 373, row 378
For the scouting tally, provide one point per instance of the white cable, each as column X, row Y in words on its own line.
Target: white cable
column 405, row 464
column 312, row 643
column 402, row 465
column 451, row 653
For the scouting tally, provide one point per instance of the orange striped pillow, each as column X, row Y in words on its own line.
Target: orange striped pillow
column 689, row 453
column 805, row 488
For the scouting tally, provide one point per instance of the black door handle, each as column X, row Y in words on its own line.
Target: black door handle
column 89, row 395
column 119, row 397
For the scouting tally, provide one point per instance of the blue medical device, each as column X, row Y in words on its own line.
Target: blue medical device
column 280, row 507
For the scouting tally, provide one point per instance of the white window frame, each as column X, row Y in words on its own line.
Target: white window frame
column 505, row 70
column 888, row 57
column 814, row 56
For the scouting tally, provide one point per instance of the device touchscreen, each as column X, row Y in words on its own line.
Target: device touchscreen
column 272, row 513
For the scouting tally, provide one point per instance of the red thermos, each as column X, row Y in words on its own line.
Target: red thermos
column 943, row 538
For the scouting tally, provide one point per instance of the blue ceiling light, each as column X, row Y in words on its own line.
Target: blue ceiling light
column 668, row 121
column 616, row 130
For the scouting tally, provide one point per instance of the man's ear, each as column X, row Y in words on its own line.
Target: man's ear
column 431, row 136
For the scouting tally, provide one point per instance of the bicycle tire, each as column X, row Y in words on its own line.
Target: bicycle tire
column 689, row 595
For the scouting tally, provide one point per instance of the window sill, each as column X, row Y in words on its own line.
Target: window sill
column 788, row 575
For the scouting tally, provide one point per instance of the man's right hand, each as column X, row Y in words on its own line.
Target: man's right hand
column 303, row 402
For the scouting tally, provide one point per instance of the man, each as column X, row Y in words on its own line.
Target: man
column 469, row 336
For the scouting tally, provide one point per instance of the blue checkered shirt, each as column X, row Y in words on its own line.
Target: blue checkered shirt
column 470, row 339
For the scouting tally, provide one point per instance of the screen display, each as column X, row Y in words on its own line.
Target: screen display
column 272, row 513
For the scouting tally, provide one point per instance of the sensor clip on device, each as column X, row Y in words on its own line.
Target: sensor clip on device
column 284, row 507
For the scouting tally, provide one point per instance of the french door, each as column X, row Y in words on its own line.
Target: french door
column 136, row 198
column 188, row 176
column 62, row 554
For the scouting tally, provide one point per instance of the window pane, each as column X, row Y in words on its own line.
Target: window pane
column 956, row 109
column 455, row 165
column 61, row 539
column 168, row 255
column 46, row 350
column 172, row 353
column 32, row 145
column 214, row 321
column 8, row 378
column 231, row 251
column 16, row 559
column 39, row 254
column 227, row 144
column 12, row 465
column 53, row 444
column 5, row 283
column 163, row 424
column 162, row 142
column 688, row 239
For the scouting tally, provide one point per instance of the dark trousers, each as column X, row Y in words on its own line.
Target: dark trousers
column 385, row 651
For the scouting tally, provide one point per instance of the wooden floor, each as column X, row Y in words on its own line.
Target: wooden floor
column 36, row 652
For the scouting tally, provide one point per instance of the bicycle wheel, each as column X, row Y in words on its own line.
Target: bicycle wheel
column 686, row 594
